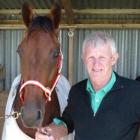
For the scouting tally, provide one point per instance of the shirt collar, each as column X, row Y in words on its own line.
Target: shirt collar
column 105, row 89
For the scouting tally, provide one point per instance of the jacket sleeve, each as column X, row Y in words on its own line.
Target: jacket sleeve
column 67, row 114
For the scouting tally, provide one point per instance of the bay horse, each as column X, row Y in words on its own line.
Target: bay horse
column 32, row 95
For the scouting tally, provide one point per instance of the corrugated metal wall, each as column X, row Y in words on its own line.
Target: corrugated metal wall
column 9, row 40
column 128, row 46
column 64, row 45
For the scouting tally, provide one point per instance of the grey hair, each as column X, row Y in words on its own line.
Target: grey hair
column 96, row 39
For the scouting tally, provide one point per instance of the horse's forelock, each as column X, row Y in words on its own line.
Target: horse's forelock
column 41, row 22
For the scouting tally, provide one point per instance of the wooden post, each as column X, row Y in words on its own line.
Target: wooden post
column 70, row 55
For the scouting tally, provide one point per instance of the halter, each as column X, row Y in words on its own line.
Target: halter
column 47, row 90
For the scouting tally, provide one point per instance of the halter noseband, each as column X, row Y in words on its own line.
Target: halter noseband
column 47, row 90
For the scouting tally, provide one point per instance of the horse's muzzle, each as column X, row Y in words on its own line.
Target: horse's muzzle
column 31, row 118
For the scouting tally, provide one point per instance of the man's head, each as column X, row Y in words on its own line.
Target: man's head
column 99, row 54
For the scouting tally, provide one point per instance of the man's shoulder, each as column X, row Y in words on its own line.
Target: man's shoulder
column 127, row 81
column 80, row 84
column 77, row 90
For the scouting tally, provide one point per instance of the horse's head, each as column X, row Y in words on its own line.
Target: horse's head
column 40, row 59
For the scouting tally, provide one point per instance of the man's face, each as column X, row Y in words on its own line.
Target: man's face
column 99, row 62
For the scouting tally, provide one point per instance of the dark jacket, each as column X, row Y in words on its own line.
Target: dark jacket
column 117, row 118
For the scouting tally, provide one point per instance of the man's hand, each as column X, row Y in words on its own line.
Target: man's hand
column 51, row 132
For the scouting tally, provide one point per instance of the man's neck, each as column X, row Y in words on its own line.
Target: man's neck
column 97, row 86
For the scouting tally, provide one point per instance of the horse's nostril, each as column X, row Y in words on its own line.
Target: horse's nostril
column 39, row 115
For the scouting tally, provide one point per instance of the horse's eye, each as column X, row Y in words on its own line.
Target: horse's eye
column 18, row 50
column 56, row 53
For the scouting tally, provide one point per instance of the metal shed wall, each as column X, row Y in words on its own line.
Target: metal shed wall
column 128, row 46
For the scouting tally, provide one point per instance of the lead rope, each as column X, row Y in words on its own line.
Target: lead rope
column 15, row 115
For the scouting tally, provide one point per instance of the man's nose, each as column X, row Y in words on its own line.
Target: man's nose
column 96, row 62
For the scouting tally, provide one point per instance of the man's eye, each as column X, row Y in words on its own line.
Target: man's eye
column 91, row 59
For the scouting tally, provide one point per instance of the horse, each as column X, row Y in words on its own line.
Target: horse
column 34, row 99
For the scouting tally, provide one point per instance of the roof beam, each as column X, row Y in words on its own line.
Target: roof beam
column 68, row 10
column 79, row 26
column 74, row 11
column 108, row 11
column 110, row 16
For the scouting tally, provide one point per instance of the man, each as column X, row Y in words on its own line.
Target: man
column 105, row 106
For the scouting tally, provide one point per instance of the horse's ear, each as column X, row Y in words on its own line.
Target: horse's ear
column 56, row 14
column 27, row 14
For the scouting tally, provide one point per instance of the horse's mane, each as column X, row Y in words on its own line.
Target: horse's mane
column 41, row 22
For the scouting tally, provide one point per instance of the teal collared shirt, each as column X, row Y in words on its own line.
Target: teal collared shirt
column 96, row 98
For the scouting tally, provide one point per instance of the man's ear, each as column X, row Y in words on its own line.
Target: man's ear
column 114, row 58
